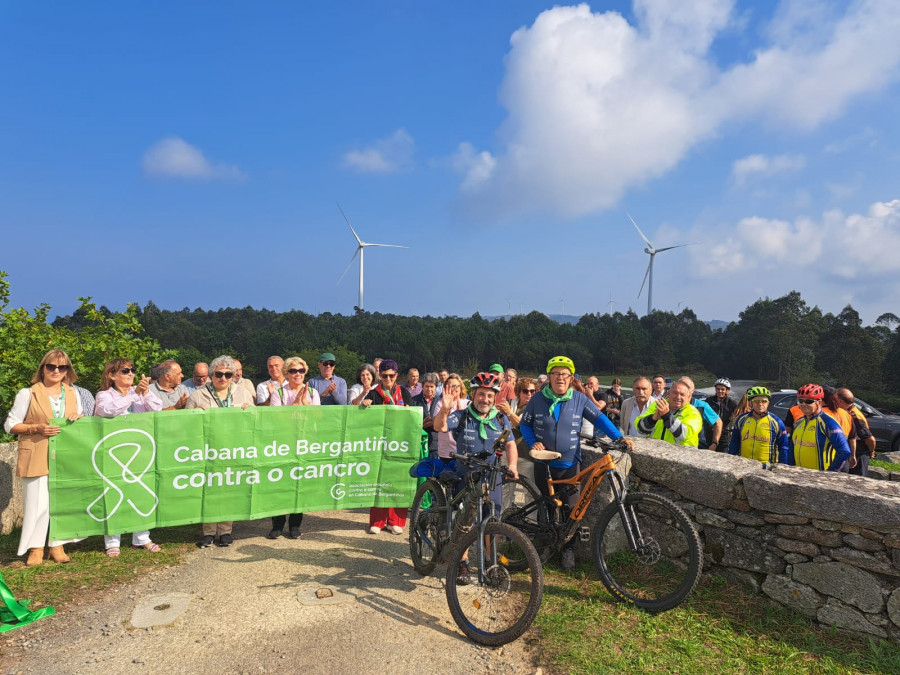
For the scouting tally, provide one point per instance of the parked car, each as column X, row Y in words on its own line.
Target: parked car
column 885, row 428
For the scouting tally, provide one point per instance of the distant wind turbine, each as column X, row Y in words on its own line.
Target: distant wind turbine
column 652, row 253
column 360, row 250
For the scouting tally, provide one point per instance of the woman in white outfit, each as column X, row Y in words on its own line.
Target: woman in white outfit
column 50, row 396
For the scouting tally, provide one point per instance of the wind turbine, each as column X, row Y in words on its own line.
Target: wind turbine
column 360, row 250
column 651, row 251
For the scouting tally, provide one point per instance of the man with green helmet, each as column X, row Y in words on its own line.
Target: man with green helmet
column 759, row 434
column 550, row 427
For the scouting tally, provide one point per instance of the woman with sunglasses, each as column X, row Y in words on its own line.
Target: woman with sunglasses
column 388, row 392
column 526, row 387
column 50, row 396
column 219, row 392
column 295, row 392
column 118, row 395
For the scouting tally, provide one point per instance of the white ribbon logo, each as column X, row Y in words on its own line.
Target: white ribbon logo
column 133, row 452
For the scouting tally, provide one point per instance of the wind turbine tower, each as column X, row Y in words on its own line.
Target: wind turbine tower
column 360, row 251
column 651, row 251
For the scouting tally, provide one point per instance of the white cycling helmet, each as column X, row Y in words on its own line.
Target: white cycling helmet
column 724, row 381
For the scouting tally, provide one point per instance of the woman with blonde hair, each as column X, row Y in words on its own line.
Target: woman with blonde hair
column 50, row 396
column 295, row 392
column 118, row 395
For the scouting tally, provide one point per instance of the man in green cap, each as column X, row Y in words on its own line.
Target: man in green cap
column 507, row 390
column 332, row 389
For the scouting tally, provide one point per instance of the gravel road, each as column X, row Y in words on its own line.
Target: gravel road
column 252, row 608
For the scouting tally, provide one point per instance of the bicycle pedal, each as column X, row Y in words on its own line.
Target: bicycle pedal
column 584, row 533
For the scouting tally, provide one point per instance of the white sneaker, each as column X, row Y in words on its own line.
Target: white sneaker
column 395, row 529
column 374, row 530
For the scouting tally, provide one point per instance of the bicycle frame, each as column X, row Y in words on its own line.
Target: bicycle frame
column 590, row 479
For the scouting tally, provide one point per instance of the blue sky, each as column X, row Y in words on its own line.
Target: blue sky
column 193, row 154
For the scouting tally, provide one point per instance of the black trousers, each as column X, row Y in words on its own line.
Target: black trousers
column 294, row 521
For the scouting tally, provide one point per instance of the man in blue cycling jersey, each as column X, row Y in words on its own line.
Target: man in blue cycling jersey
column 551, row 423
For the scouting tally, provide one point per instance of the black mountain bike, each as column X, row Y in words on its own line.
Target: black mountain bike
column 646, row 550
column 453, row 520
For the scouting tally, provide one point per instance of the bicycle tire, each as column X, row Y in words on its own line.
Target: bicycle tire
column 500, row 607
column 528, row 512
column 427, row 526
column 666, row 567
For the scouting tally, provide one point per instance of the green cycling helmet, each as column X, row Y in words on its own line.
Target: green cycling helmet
column 561, row 362
column 757, row 392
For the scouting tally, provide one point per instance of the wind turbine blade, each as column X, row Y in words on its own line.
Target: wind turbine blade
column 646, row 274
column 358, row 240
column 349, row 263
column 669, row 248
column 639, row 230
column 388, row 245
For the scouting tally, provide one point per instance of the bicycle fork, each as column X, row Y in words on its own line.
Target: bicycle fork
column 627, row 513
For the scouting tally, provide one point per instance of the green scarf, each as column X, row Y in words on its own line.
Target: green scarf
column 488, row 420
column 548, row 393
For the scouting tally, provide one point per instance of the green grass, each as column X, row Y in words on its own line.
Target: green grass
column 90, row 571
column 721, row 628
column 890, row 466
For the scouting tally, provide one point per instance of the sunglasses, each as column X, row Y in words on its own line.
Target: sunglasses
column 388, row 376
column 759, row 400
column 294, row 371
column 328, row 363
column 529, row 391
column 128, row 371
column 806, row 401
column 227, row 376
column 52, row 367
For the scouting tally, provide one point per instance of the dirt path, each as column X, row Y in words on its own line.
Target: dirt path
column 252, row 609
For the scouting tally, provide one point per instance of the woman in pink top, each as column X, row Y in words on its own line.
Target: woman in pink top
column 295, row 392
column 119, row 396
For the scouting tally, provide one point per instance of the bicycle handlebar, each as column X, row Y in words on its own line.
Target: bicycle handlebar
column 478, row 460
column 623, row 444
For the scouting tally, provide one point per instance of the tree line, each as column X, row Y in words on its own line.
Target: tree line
column 782, row 340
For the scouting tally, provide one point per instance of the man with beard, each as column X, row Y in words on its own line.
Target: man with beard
column 475, row 429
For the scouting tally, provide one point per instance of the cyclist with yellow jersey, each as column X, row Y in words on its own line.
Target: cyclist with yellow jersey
column 759, row 434
column 817, row 441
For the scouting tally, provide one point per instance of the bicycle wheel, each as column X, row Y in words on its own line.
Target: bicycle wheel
column 664, row 567
column 427, row 526
column 500, row 605
column 526, row 510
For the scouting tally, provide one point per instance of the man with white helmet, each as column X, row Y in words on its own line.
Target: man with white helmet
column 724, row 406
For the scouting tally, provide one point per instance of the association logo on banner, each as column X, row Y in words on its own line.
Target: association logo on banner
column 338, row 491
column 133, row 453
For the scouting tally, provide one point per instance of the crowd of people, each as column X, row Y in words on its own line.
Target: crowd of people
column 547, row 416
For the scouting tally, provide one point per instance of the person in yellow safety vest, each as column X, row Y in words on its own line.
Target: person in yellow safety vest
column 817, row 441
column 672, row 418
column 758, row 434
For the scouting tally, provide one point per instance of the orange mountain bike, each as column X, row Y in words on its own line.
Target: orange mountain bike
column 646, row 550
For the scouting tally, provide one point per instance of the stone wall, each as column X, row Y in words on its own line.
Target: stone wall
column 825, row 545
column 10, row 489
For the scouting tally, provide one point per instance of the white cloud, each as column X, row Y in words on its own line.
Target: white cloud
column 173, row 157
column 597, row 105
column 386, row 155
column 852, row 246
column 763, row 165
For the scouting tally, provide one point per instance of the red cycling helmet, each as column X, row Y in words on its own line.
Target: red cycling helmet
column 813, row 391
column 485, row 381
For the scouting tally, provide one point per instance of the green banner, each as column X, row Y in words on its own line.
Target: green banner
column 138, row 472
